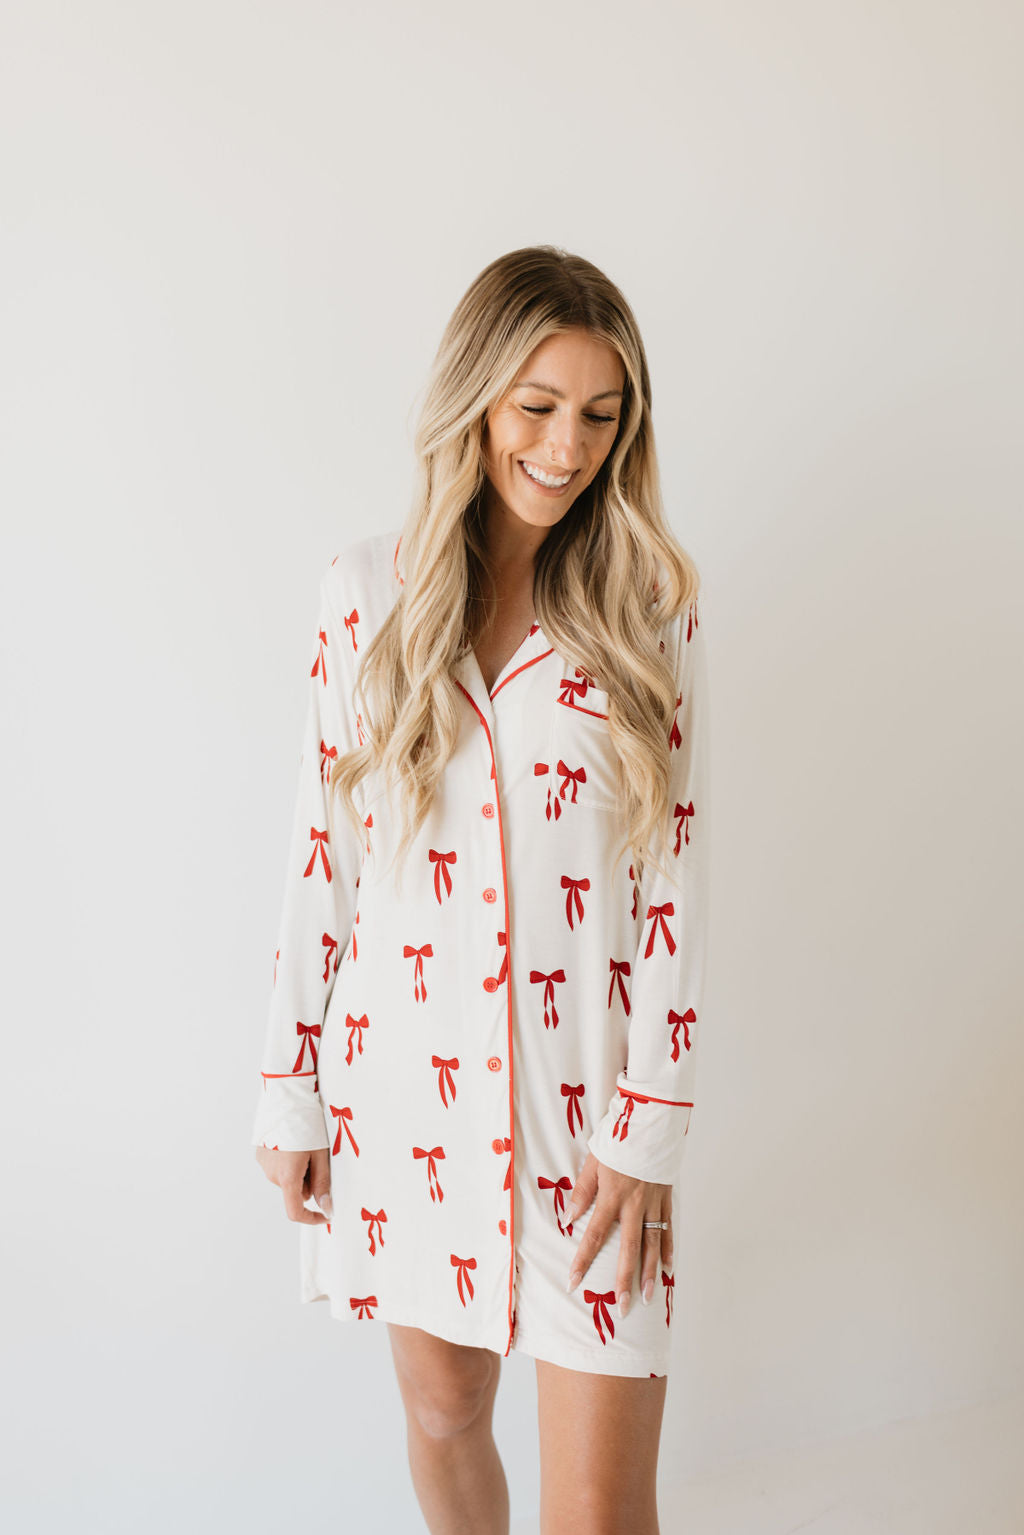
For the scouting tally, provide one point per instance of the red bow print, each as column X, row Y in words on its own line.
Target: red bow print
column 464, row 1265
column 419, row 985
column 568, row 775
column 570, row 690
column 359, row 730
column 669, row 1283
column 561, row 1186
column 374, row 1220
column 441, row 862
column 549, row 993
column 331, row 946
column 659, row 913
column 573, row 1112
column 621, row 1127
column 503, row 971
column 681, row 1018
column 619, row 968
column 320, row 664
column 692, row 621
column 308, row 1032
column 342, row 1116
column 501, row 1145
column 351, row 619
column 572, row 887
column 636, row 891
column 445, row 1080
column 277, row 956
column 327, row 754
column 362, row 1304
column 321, row 839
column 684, row 813
column 354, row 1026
column 432, row 1180
column 675, row 740
column 539, row 769
column 601, row 1313
column 355, row 947
column 368, row 823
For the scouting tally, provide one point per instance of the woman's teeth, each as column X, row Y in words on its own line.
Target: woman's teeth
column 552, row 482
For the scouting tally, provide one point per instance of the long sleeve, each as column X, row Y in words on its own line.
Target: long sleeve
column 319, row 900
column 642, row 1132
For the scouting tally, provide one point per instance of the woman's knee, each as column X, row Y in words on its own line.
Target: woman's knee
column 445, row 1386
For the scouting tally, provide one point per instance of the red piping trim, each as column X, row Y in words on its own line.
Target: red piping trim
column 677, row 1103
column 287, row 1073
column 508, row 1014
column 525, row 666
column 579, row 709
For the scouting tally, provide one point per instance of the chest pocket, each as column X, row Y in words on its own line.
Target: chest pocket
column 583, row 763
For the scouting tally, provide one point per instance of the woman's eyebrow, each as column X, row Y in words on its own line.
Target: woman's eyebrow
column 550, row 389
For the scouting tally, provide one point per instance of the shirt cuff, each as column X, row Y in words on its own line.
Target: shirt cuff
column 290, row 1116
column 643, row 1132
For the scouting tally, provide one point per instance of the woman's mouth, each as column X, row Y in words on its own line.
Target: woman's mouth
column 541, row 479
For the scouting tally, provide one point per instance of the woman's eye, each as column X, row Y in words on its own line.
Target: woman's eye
column 542, row 410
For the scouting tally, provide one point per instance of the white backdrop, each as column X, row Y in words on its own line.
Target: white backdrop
column 232, row 235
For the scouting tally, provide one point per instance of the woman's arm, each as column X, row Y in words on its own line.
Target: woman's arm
column 319, row 902
column 642, row 1133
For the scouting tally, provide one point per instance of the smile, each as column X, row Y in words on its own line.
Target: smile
column 540, row 477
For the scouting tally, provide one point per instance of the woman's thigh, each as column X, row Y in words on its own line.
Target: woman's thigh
column 599, row 1438
column 444, row 1386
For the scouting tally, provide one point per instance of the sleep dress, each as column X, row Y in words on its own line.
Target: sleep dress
column 461, row 1046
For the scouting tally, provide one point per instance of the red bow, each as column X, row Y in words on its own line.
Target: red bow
column 572, row 1107
column 441, row 862
column 659, row 913
column 549, row 993
column 601, row 1312
column 572, row 887
column 321, row 839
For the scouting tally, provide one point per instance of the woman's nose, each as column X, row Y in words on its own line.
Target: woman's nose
column 564, row 444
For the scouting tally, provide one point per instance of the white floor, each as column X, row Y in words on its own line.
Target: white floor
column 960, row 1473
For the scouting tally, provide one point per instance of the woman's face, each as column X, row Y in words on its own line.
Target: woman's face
column 546, row 440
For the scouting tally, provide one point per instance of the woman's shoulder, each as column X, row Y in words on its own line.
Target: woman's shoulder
column 364, row 570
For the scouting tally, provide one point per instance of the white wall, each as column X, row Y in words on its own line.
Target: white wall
column 232, row 235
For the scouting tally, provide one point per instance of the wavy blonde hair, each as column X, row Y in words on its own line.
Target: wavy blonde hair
column 608, row 578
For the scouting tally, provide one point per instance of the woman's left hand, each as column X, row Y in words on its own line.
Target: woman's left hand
column 630, row 1201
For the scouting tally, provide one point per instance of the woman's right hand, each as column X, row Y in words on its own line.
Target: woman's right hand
column 300, row 1175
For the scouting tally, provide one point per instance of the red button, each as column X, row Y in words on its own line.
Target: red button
column 490, row 894
column 494, row 1064
column 502, row 1227
column 490, row 984
column 497, row 1145
column 488, row 811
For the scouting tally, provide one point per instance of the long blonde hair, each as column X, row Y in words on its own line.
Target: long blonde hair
column 608, row 578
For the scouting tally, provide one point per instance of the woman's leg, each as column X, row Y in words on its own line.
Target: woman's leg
column 448, row 1390
column 599, row 1437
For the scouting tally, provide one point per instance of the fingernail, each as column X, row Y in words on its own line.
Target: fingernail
column 647, row 1291
column 574, row 1280
column 325, row 1204
column 624, row 1303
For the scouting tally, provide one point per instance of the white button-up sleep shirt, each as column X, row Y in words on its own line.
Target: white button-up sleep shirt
column 461, row 1045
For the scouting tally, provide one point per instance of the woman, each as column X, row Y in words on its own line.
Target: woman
column 490, row 968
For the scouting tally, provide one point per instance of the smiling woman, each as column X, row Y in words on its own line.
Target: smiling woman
column 489, row 974
column 550, row 435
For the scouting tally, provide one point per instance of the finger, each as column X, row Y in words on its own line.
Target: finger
column 667, row 1246
column 591, row 1243
column 582, row 1196
column 320, row 1180
column 652, row 1255
column 294, row 1207
column 630, row 1244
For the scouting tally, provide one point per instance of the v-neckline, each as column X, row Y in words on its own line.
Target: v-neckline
column 500, row 678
